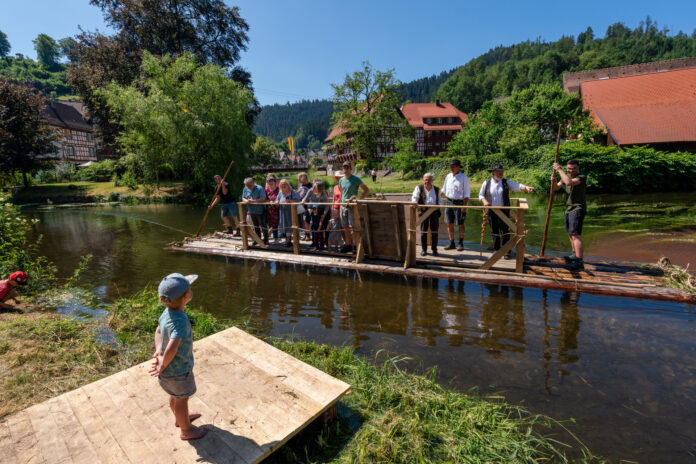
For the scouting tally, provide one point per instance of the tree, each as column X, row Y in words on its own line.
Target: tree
column 67, row 48
column 209, row 29
column 263, row 151
column 405, row 157
column 4, row 45
column 47, row 51
column 367, row 106
column 182, row 114
column 23, row 134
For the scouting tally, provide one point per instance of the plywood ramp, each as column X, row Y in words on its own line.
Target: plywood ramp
column 252, row 397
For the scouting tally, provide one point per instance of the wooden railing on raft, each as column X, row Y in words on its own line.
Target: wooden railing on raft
column 383, row 230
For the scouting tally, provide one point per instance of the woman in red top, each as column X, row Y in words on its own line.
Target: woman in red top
column 272, row 214
column 337, row 191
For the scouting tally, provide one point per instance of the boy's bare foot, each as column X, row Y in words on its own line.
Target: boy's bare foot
column 192, row 417
column 194, row 434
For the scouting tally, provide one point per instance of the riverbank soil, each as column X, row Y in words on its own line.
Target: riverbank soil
column 84, row 192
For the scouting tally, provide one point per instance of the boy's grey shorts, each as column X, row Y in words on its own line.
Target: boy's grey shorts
column 178, row 386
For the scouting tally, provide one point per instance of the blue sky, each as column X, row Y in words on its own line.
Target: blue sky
column 298, row 48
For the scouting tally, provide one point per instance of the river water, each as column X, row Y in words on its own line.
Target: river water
column 621, row 372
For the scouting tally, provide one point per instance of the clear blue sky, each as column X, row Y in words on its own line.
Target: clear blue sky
column 298, row 48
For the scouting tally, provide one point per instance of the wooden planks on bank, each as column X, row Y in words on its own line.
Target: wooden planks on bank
column 253, row 398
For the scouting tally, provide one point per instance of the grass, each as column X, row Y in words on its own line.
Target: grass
column 390, row 416
column 90, row 191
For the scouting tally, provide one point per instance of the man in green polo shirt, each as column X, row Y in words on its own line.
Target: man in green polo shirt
column 349, row 185
column 576, row 207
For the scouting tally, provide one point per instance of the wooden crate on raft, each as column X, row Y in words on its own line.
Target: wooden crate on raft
column 384, row 232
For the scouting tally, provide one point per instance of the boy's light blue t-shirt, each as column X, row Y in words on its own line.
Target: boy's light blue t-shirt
column 349, row 187
column 176, row 324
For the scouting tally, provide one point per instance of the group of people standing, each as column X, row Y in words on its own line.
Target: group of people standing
column 325, row 221
column 328, row 221
column 456, row 192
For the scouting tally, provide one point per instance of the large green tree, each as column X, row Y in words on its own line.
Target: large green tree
column 405, row 157
column 366, row 105
column 186, row 116
column 4, row 45
column 209, row 29
column 263, row 151
column 47, row 51
column 528, row 119
column 24, row 137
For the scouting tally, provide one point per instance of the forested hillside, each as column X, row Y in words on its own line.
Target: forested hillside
column 505, row 69
column 309, row 120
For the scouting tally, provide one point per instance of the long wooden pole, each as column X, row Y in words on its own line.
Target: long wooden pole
column 217, row 190
column 548, row 210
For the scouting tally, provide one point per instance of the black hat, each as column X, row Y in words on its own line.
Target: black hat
column 456, row 163
column 496, row 167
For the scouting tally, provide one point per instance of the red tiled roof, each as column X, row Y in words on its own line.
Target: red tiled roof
column 71, row 115
column 416, row 112
column 650, row 108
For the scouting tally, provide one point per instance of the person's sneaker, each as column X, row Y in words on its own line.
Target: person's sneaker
column 424, row 253
column 346, row 248
column 435, row 253
column 451, row 246
column 570, row 258
column 577, row 265
column 288, row 244
column 509, row 255
column 460, row 246
column 237, row 233
column 229, row 230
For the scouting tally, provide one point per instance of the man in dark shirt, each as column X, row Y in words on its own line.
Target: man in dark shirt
column 576, row 207
column 227, row 205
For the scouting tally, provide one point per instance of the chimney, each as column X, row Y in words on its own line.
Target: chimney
column 437, row 102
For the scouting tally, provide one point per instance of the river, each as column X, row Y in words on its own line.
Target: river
column 621, row 372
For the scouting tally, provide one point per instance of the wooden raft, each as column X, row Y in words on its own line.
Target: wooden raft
column 551, row 273
column 253, row 398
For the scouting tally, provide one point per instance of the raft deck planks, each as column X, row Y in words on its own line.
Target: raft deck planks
column 253, row 398
column 551, row 273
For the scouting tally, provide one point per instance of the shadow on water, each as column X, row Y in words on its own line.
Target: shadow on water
column 624, row 370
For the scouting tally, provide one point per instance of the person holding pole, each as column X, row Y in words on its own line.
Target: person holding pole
column 456, row 192
column 576, row 207
column 495, row 191
column 428, row 194
column 227, row 204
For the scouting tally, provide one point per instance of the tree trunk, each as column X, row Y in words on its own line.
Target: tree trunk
column 26, row 179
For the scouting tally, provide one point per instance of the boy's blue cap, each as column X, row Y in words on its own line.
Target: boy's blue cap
column 175, row 285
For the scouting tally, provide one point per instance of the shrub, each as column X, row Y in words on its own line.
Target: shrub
column 98, row 172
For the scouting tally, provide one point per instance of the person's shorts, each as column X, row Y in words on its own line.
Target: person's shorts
column 228, row 208
column 454, row 215
column 178, row 386
column 573, row 221
column 347, row 216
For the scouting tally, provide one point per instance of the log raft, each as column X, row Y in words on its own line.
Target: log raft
column 389, row 237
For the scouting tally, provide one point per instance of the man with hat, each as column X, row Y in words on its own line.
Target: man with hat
column 228, row 207
column 495, row 191
column 8, row 292
column 456, row 191
column 349, row 185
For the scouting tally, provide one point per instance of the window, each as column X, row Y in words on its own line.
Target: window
column 439, row 120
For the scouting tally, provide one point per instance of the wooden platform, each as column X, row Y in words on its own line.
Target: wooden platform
column 252, row 397
column 552, row 273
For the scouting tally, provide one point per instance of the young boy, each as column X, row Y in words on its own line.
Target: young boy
column 334, row 230
column 8, row 292
column 173, row 358
column 316, row 220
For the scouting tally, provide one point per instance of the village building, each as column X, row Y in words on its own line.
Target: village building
column 434, row 124
column 77, row 143
column 644, row 104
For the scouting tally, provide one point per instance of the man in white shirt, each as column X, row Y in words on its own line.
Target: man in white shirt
column 495, row 191
column 456, row 192
column 428, row 194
